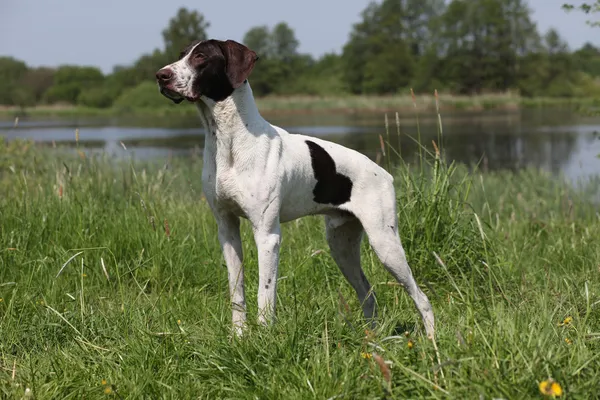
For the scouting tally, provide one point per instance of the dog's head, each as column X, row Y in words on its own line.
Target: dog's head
column 211, row 68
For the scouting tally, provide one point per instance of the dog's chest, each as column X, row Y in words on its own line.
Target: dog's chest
column 222, row 183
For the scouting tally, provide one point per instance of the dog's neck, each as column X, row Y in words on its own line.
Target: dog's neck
column 231, row 116
column 232, row 127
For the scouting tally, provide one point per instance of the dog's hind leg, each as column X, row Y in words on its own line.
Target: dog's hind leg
column 380, row 222
column 344, row 235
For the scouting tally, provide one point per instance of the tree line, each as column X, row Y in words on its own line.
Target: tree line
column 462, row 47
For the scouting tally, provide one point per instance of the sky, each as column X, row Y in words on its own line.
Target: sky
column 106, row 33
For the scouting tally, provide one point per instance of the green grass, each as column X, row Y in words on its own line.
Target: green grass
column 112, row 280
column 323, row 104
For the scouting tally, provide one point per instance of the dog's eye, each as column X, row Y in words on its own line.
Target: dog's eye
column 199, row 56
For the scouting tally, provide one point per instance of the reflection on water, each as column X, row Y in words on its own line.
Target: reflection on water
column 555, row 140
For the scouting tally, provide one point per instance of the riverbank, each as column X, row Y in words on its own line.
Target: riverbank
column 316, row 105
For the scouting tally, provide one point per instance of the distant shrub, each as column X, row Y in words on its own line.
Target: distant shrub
column 98, row 97
column 588, row 86
column 144, row 95
column 65, row 93
column 23, row 97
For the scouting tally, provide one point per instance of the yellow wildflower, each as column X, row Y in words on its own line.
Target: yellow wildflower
column 103, row 381
column 178, row 322
column 366, row 355
column 568, row 341
column 550, row 388
column 566, row 321
column 1, row 299
column 84, row 275
column 410, row 344
column 107, row 390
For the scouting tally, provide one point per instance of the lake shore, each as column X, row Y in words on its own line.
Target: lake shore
column 297, row 105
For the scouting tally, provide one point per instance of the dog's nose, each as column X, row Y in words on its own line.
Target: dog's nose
column 164, row 74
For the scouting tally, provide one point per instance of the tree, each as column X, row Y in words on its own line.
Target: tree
column 284, row 42
column 356, row 51
column 483, row 43
column 96, row 97
column 259, row 40
column 588, row 8
column 38, row 81
column 280, row 64
column 85, row 76
column 413, row 21
column 70, row 80
column 384, row 47
column 23, row 97
column 559, row 77
column 11, row 69
column 319, row 77
column 587, row 58
column 11, row 72
column 147, row 65
column 185, row 27
column 389, row 69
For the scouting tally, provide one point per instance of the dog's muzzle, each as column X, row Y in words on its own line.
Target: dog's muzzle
column 171, row 95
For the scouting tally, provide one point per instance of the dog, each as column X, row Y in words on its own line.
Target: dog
column 260, row 172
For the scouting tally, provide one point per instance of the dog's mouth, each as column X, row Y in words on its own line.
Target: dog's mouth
column 171, row 95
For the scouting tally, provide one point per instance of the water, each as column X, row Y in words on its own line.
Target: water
column 554, row 140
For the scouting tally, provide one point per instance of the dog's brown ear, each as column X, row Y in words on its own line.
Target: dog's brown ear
column 239, row 62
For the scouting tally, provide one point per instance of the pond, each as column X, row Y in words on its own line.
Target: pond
column 555, row 140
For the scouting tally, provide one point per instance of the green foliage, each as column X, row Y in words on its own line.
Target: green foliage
column 69, row 81
column 38, row 81
column 23, row 97
column 11, row 72
column 322, row 77
column 11, row 69
column 84, row 76
column 461, row 47
column 587, row 8
column 384, row 47
column 388, row 71
column 184, row 28
column 65, row 93
column 280, row 68
column 96, row 97
column 144, row 95
column 258, row 39
column 587, row 59
column 284, row 42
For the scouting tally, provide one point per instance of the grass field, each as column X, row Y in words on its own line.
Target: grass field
column 298, row 104
column 112, row 285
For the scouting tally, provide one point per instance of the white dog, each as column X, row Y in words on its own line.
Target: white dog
column 260, row 172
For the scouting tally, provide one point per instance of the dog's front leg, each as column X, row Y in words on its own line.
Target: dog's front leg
column 267, row 235
column 231, row 246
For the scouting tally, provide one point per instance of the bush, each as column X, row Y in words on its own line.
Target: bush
column 6, row 90
column 67, row 93
column 23, row 97
column 144, row 95
column 98, row 97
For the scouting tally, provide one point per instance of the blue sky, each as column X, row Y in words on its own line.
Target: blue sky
column 109, row 32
